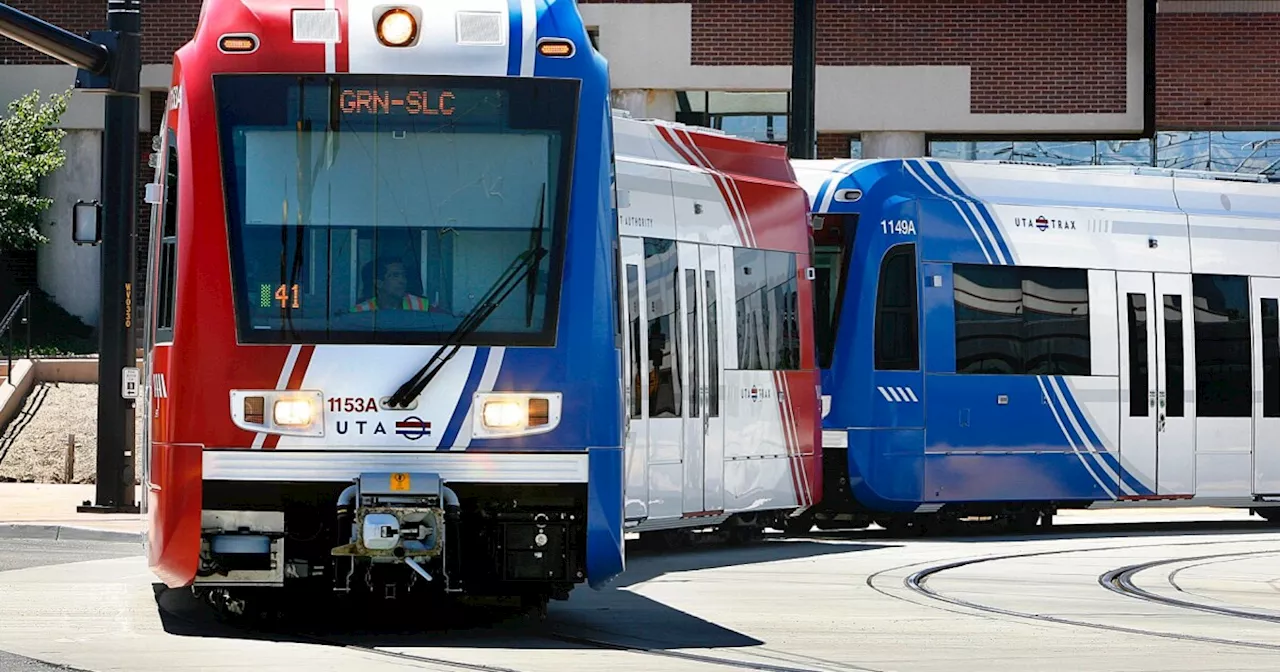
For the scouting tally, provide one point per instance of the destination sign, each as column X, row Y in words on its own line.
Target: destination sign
column 413, row 102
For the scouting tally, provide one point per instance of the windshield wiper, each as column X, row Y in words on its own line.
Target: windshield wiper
column 520, row 267
column 535, row 241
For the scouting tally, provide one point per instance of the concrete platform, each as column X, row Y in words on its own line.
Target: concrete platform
column 45, row 509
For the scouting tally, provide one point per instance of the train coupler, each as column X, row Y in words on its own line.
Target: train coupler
column 389, row 519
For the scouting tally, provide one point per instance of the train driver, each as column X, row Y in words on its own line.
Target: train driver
column 391, row 290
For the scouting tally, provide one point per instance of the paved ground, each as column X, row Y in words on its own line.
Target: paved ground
column 834, row 602
column 24, row 553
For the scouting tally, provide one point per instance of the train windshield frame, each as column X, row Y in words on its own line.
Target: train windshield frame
column 369, row 209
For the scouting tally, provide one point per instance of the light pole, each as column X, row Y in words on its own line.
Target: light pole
column 109, row 61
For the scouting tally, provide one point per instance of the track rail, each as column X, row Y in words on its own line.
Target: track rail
column 1120, row 581
column 918, row 580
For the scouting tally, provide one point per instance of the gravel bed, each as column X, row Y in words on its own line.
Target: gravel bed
column 33, row 447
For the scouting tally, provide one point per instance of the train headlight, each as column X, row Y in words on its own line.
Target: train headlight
column 516, row 414
column 504, row 414
column 292, row 412
column 397, row 28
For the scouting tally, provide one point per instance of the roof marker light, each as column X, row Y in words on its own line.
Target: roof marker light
column 397, row 28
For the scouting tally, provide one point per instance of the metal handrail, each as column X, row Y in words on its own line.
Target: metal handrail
column 6, row 325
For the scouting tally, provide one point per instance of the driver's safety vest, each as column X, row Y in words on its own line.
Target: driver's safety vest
column 409, row 302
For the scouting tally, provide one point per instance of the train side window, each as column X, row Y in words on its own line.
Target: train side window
column 713, row 348
column 1055, row 321
column 661, row 276
column 1136, row 307
column 1022, row 320
column 765, row 293
column 1224, row 360
column 633, row 311
column 691, row 294
column 1270, row 359
column 168, row 275
column 1173, row 357
column 897, row 322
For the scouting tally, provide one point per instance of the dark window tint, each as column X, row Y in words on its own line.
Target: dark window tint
column 1175, row 382
column 765, row 290
column 988, row 319
column 713, row 348
column 897, row 335
column 831, row 264
column 1136, row 308
column 1270, row 359
column 691, row 297
column 633, row 311
column 168, row 275
column 1019, row 320
column 1055, row 321
column 665, row 391
column 1224, row 367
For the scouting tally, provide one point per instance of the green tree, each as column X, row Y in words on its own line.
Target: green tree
column 30, row 149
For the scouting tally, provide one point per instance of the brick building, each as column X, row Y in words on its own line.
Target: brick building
column 1044, row 80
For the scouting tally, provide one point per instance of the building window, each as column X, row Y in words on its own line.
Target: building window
column 765, row 297
column 1022, row 320
column 593, row 34
column 1224, row 362
column 897, row 321
column 1225, row 151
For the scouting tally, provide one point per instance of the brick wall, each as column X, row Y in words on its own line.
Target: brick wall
column 1217, row 71
column 1017, row 50
column 166, row 25
column 834, row 145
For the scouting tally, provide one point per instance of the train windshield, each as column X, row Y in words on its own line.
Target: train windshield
column 831, row 247
column 382, row 209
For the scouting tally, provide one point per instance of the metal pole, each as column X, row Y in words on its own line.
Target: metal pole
column 802, row 131
column 52, row 40
column 115, row 477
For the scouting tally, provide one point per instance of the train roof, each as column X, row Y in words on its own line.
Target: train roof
column 830, row 183
column 650, row 140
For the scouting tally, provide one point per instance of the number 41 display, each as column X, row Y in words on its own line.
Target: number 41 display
column 281, row 294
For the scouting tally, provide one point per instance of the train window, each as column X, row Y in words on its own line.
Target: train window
column 660, row 272
column 713, row 349
column 1055, row 321
column 691, row 295
column 1270, row 359
column 168, row 275
column 1174, row 379
column 897, row 321
column 375, row 223
column 831, row 251
column 988, row 303
column 1138, row 379
column 765, row 292
column 1224, row 361
column 633, row 311
column 1021, row 320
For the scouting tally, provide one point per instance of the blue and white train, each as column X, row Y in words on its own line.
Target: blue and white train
column 1009, row 340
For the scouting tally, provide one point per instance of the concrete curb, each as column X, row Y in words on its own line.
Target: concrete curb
column 66, row 533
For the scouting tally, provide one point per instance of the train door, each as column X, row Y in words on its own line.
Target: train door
column 693, row 365
column 712, row 292
column 637, row 375
column 1157, row 434
column 1266, row 404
